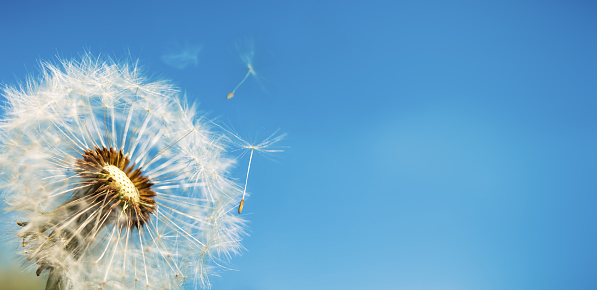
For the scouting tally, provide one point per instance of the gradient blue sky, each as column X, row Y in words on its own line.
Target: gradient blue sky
column 433, row 144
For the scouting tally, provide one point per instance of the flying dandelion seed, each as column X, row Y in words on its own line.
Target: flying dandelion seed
column 116, row 182
column 247, row 55
column 266, row 146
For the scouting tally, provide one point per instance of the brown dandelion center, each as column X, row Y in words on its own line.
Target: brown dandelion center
column 114, row 183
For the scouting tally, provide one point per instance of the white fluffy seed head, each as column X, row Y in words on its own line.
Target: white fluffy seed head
column 179, row 222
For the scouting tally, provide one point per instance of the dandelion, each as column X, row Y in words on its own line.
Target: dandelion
column 115, row 181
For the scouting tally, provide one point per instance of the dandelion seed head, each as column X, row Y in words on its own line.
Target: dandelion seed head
column 115, row 182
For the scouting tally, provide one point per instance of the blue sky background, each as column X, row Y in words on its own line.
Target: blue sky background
column 432, row 144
